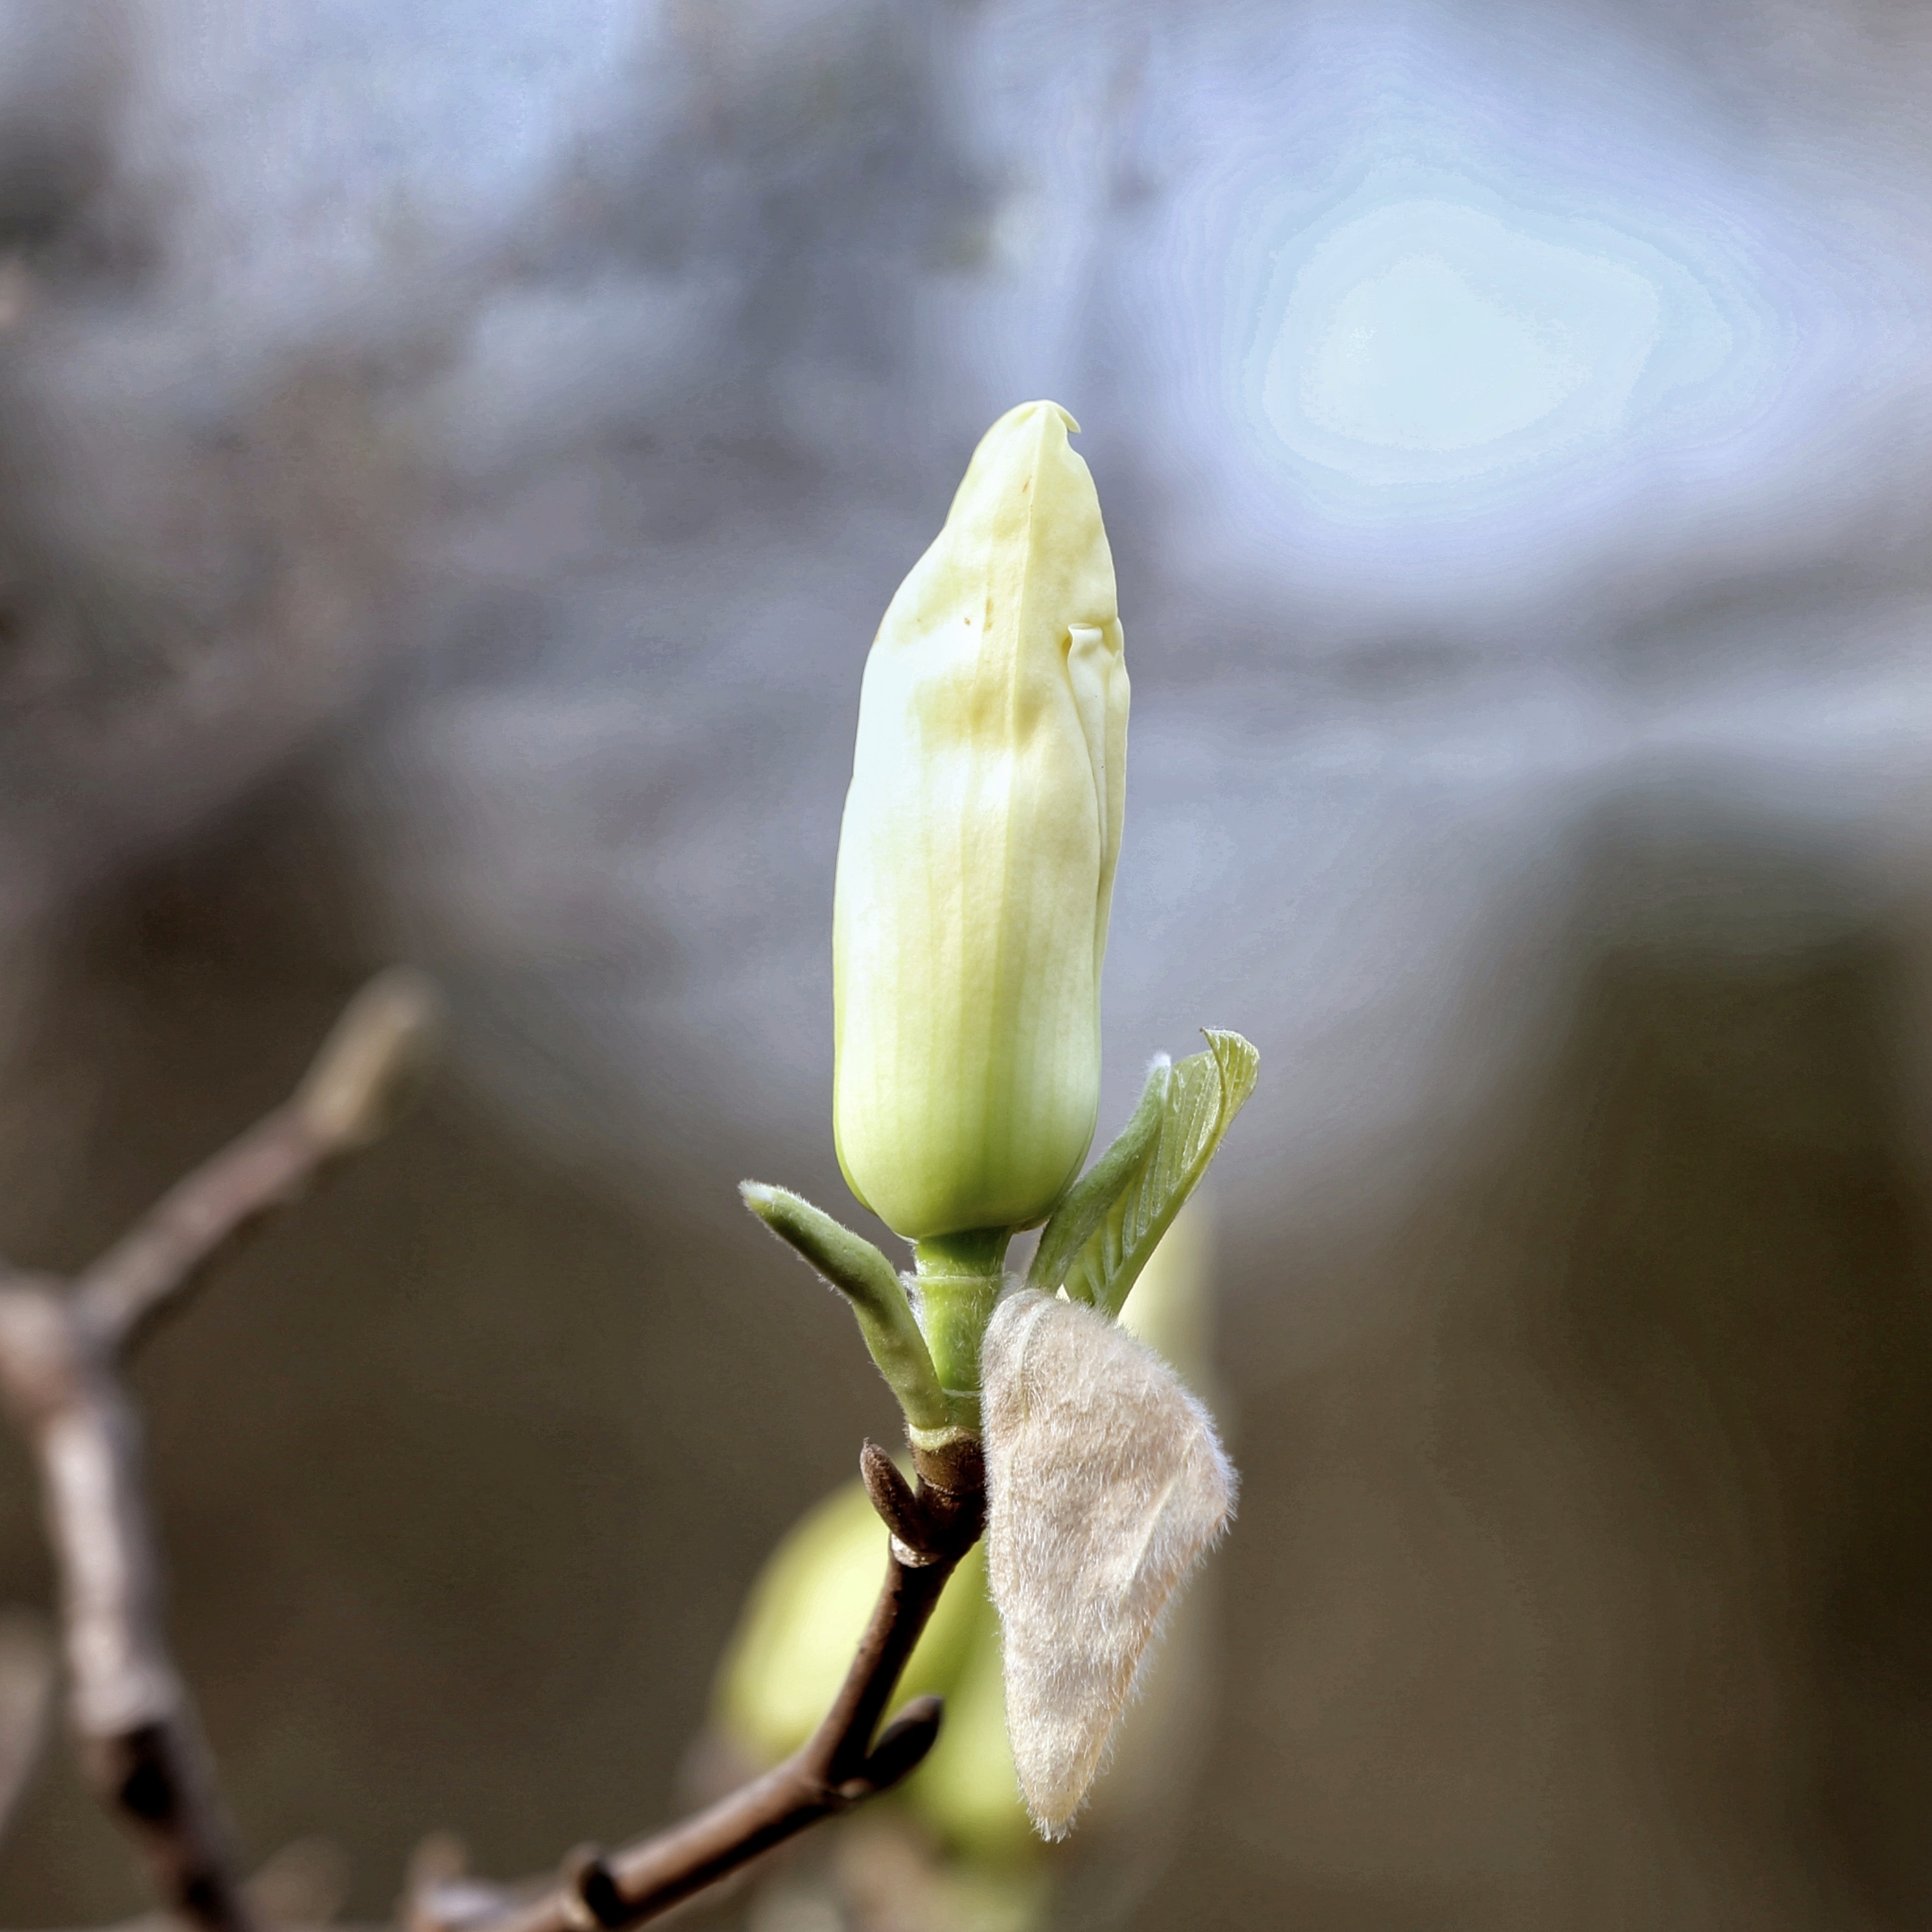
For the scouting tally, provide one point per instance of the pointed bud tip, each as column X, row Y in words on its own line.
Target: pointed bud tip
column 1025, row 412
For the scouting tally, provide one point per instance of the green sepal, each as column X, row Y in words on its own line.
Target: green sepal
column 868, row 1282
column 1203, row 1094
column 1078, row 1216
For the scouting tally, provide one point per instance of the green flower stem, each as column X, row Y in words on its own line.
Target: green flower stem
column 957, row 1282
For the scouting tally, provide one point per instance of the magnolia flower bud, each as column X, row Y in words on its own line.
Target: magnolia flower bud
column 976, row 864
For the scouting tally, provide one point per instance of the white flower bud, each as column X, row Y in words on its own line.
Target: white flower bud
column 976, row 864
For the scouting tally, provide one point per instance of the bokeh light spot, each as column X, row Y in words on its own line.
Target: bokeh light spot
column 1428, row 338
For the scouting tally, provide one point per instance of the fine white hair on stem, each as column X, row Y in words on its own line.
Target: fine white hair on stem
column 1106, row 1484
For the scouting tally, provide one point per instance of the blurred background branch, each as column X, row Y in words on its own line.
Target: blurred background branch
column 63, row 1352
column 26, row 1688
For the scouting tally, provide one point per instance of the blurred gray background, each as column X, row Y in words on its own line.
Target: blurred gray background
column 453, row 459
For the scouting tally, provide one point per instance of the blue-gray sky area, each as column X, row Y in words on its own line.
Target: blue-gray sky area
column 1492, row 407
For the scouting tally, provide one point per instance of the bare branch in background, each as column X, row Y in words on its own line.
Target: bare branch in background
column 61, row 1352
column 25, row 1679
column 351, row 1096
column 839, row 1766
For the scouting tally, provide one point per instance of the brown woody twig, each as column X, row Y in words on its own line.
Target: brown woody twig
column 61, row 1352
column 841, row 1764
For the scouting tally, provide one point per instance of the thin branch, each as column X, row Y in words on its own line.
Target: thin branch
column 841, row 1765
column 26, row 1680
column 351, row 1095
column 62, row 1353
column 133, row 1722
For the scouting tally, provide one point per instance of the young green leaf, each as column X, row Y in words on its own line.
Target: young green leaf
column 867, row 1280
column 1078, row 1217
column 1203, row 1094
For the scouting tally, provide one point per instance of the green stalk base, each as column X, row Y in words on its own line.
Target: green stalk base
column 959, row 1278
